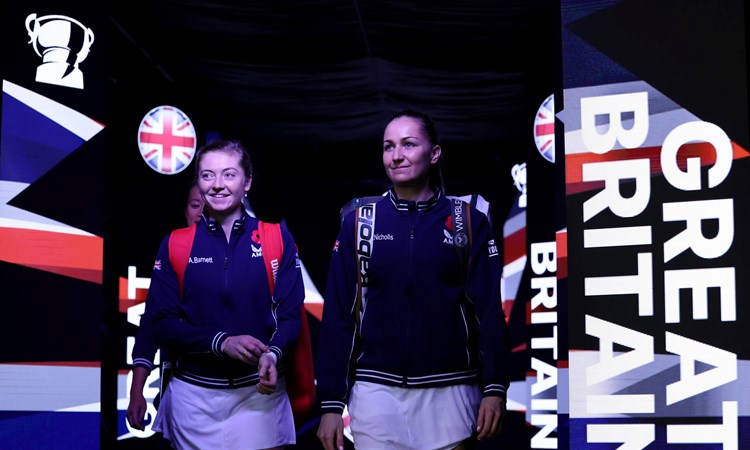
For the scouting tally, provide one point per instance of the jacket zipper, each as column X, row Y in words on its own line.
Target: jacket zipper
column 409, row 292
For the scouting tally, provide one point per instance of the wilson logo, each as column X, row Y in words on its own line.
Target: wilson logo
column 275, row 268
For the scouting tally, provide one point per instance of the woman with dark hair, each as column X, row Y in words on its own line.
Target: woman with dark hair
column 420, row 356
column 194, row 206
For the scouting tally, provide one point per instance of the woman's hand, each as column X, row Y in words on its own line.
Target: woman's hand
column 268, row 375
column 136, row 412
column 331, row 431
column 490, row 419
column 244, row 348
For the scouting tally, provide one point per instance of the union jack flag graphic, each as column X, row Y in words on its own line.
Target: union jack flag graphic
column 544, row 129
column 166, row 138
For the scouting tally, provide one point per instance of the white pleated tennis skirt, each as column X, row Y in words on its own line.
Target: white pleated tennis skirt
column 387, row 417
column 194, row 417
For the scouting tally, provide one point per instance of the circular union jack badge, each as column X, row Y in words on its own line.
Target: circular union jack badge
column 544, row 129
column 166, row 138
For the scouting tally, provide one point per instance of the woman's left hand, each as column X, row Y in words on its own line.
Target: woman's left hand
column 490, row 419
column 268, row 375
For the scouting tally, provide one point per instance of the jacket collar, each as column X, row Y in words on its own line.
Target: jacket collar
column 405, row 205
column 213, row 226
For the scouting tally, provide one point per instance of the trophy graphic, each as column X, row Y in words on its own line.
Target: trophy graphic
column 62, row 43
column 518, row 172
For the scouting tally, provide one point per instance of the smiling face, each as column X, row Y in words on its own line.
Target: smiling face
column 223, row 183
column 408, row 154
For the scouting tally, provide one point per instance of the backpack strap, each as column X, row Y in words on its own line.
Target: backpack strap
column 300, row 371
column 273, row 247
column 357, row 202
column 477, row 202
column 364, row 229
column 180, row 244
column 461, row 224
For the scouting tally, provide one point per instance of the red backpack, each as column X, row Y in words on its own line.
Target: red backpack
column 300, row 376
